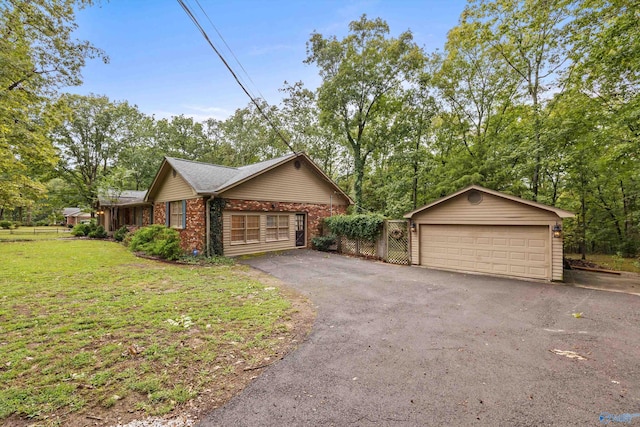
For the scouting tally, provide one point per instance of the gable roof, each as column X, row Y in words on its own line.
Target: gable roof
column 71, row 211
column 560, row 212
column 210, row 179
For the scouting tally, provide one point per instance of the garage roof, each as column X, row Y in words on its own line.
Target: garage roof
column 560, row 212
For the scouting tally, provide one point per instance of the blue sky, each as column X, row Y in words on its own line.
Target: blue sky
column 160, row 62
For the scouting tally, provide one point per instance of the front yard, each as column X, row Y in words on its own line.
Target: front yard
column 90, row 333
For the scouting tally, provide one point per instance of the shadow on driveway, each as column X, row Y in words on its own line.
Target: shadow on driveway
column 406, row 346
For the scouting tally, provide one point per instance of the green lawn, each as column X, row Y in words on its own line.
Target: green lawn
column 34, row 233
column 613, row 262
column 86, row 327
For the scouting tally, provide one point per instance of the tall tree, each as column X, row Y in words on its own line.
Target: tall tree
column 359, row 73
column 531, row 37
column 91, row 140
column 38, row 55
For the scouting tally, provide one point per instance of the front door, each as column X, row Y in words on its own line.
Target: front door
column 300, row 227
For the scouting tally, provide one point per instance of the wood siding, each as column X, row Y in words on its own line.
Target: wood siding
column 286, row 183
column 172, row 187
column 263, row 245
column 491, row 210
column 557, row 256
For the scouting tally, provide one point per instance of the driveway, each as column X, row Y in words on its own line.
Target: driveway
column 407, row 346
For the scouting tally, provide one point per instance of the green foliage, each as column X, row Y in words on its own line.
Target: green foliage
column 5, row 224
column 157, row 240
column 120, row 234
column 323, row 243
column 91, row 230
column 97, row 232
column 216, row 206
column 362, row 226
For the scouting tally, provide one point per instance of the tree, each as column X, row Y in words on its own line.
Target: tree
column 92, row 138
column 38, row 55
column 531, row 37
column 359, row 74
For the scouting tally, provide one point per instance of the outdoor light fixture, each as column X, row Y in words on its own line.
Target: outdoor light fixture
column 413, row 226
column 557, row 231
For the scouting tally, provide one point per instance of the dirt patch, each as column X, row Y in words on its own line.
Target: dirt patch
column 296, row 326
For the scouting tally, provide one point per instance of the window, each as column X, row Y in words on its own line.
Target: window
column 277, row 227
column 177, row 214
column 245, row 229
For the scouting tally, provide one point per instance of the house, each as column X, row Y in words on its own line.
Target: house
column 118, row 208
column 486, row 231
column 272, row 205
column 73, row 216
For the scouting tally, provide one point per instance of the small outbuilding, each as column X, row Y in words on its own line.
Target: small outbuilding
column 486, row 231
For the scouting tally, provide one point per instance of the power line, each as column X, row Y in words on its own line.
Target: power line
column 206, row 36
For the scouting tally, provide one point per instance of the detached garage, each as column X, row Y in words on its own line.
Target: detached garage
column 485, row 231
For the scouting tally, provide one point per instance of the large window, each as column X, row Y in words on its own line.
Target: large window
column 176, row 214
column 245, row 229
column 277, row 227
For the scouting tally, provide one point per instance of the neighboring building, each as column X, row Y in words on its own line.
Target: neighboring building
column 124, row 208
column 273, row 205
column 485, row 231
column 73, row 216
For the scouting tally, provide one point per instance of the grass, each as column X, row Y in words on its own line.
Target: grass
column 84, row 325
column 34, row 233
column 613, row 262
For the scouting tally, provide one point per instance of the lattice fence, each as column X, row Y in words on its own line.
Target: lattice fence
column 397, row 248
column 357, row 247
column 392, row 245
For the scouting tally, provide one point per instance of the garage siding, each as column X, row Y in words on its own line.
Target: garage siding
column 521, row 251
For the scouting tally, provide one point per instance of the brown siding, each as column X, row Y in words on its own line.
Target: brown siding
column 288, row 184
column 173, row 188
column 315, row 213
column 492, row 210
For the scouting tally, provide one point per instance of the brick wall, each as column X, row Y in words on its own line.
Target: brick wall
column 315, row 212
column 146, row 216
column 193, row 236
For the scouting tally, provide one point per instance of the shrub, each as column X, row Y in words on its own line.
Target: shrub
column 366, row 227
column 323, row 243
column 157, row 240
column 97, row 232
column 121, row 233
column 5, row 224
column 80, row 230
column 42, row 223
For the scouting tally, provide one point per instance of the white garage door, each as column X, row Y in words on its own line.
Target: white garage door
column 521, row 251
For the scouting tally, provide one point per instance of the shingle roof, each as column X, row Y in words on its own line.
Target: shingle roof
column 206, row 178
column 70, row 211
column 126, row 197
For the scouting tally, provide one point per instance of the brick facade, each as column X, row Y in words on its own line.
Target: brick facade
column 315, row 212
column 193, row 236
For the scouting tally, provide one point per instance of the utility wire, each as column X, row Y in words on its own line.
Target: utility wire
column 230, row 50
column 206, row 36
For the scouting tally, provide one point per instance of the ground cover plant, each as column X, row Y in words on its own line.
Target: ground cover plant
column 90, row 332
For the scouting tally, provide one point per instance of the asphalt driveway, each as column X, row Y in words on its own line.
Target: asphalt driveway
column 397, row 345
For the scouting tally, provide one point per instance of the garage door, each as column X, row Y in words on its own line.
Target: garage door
column 521, row 251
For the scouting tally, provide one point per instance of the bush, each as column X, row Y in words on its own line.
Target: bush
column 366, row 227
column 42, row 223
column 91, row 230
column 5, row 224
column 323, row 243
column 157, row 240
column 97, row 233
column 80, row 230
column 120, row 234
